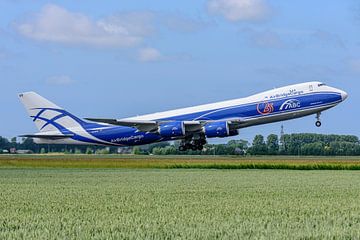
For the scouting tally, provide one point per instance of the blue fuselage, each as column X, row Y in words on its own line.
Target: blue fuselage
column 270, row 109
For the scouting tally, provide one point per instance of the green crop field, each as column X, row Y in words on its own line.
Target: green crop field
column 90, row 203
column 168, row 162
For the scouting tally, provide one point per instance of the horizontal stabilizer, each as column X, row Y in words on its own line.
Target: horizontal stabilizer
column 48, row 136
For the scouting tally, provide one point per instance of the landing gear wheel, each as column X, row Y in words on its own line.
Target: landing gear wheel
column 318, row 122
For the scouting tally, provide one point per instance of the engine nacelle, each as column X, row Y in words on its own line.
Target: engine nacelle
column 219, row 129
column 172, row 129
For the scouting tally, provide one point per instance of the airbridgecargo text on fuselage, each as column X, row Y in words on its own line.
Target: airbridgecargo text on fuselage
column 127, row 139
column 292, row 92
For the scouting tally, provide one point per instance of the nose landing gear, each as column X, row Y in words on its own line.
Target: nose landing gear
column 318, row 121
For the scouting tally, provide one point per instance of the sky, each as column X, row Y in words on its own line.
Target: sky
column 117, row 59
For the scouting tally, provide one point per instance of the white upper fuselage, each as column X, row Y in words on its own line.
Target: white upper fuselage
column 277, row 93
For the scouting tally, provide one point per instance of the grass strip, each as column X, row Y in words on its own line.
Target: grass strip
column 186, row 162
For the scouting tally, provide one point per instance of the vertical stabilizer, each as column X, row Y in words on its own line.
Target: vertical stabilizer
column 46, row 115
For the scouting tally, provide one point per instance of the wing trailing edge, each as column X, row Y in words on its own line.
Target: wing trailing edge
column 153, row 125
column 48, row 136
column 143, row 126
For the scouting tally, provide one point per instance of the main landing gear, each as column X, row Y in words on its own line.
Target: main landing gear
column 193, row 144
column 318, row 121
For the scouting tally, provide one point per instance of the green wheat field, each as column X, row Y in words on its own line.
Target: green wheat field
column 98, row 197
column 184, row 161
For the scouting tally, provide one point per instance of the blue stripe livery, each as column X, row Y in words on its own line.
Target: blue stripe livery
column 190, row 124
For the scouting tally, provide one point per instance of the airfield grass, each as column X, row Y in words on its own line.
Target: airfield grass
column 79, row 203
column 168, row 162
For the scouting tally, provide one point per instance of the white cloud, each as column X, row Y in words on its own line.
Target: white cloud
column 240, row 10
column 59, row 80
column 56, row 24
column 130, row 23
column 149, row 55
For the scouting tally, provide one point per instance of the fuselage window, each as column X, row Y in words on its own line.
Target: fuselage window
column 310, row 87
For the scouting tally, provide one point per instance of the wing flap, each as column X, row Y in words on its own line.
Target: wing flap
column 152, row 125
column 143, row 126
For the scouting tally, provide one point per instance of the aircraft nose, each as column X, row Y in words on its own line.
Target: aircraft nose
column 344, row 95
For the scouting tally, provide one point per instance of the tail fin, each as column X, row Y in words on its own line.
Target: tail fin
column 46, row 115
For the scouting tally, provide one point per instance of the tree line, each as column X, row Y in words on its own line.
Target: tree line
column 306, row 144
column 287, row 144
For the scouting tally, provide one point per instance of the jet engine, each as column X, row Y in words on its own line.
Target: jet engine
column 172, row 129
column 219, row 129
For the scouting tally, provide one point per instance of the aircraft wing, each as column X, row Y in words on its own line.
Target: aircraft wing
column 152, row 125
column 143, row 126
column 48, row 136
column 146, row 125
column 234, row 123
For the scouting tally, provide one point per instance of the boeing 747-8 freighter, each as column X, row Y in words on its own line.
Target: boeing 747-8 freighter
column 192, row 125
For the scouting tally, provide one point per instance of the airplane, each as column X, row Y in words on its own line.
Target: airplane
column 191, row 125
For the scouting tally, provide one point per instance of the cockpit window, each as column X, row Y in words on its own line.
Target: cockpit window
column 321, row 84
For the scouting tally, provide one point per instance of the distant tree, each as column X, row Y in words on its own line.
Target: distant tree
column 102, row 151
column 315, row 149
column 4, row 143
column 238, row 146
column 320, row 144
column 29, row 144
column 156, row 151
column 89, row 151
column 157, row 145
column 13, row 142
column 136, row 150
column 258, row 146
column 221, row 149
column 169, row 150
column 42, row 151
column 77, row 151
column 272, row 144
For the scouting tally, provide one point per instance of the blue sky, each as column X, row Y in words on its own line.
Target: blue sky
column 118, row 59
